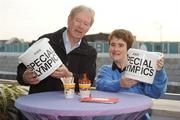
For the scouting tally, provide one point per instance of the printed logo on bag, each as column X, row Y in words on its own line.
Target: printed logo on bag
column 44, row 62
column 41, row 58
column 140, row 66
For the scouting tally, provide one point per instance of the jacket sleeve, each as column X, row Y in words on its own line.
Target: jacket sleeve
column 20, row 71
column 159, row 86
column 91, row 65
column 105, row 81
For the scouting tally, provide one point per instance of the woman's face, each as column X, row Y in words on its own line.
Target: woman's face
column 117, row 49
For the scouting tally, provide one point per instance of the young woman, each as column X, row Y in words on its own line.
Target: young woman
column 110, row 77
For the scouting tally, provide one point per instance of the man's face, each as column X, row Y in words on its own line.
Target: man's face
column 79, row 25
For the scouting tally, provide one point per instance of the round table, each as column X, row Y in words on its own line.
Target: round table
column 54, row 104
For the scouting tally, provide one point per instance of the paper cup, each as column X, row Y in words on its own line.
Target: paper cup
column 141, row 65
column 41, row 59
column 85, row 90
column 69, row 90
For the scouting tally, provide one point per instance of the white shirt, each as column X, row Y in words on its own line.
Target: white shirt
column 67, row 43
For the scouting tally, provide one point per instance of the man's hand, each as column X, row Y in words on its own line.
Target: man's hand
column 61, row 72
column 30, row 78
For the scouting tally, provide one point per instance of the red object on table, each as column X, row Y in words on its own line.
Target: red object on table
column 100, row 100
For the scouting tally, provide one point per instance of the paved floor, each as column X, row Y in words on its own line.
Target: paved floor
column 171, row 96
column 166, row 109
column 164, row 118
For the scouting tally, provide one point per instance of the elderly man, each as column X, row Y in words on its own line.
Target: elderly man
column 77, row 56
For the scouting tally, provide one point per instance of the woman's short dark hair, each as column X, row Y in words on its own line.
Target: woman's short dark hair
column 123, row 34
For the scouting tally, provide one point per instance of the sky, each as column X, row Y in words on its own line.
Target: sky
column 148, row 20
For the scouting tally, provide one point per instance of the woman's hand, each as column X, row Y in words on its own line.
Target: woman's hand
column 160, row 63
column 127, row 82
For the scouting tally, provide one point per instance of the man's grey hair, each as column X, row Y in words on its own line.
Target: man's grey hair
column 80, row 8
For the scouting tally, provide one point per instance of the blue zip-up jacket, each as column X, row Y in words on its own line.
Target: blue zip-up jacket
column 108, row 79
